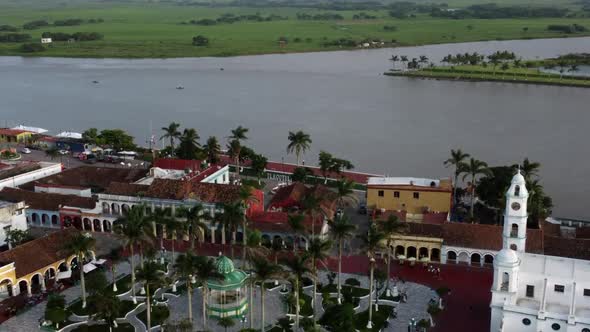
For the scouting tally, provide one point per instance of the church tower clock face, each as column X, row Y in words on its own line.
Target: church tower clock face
column 515, row 206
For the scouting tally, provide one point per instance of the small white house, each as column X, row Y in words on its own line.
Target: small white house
column 46, row 41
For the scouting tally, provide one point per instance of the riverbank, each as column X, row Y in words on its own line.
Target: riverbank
column 488, row 74
column 165, row 31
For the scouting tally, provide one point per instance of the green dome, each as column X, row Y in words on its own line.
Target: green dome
column 224, row 265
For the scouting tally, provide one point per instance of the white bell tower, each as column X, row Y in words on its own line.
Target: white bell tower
column 515, row 217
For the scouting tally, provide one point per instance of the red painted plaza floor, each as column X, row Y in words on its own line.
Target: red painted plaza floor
column 466, row 307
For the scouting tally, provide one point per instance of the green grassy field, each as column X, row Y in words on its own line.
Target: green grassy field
column 153, row 30
column 488, row 73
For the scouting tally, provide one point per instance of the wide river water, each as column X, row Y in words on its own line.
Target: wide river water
column 388, row 125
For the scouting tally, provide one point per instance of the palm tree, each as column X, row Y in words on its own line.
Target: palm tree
column 194, row 225
column 264, row 270
column 114, row 256
column 80, row 245
column 212, row 149
column 106, row 307
column 237, row 136
column 530, row 169
column 161, row 217
column 295, row 222
column 312, row 204
column 225, row 322
column 472, row 169
column 390, row 227
column 171, row 132
column 185, row 267
column 246, row 197
column 52, row 153
column 456, row 160
column 345, row 192
column 253, row 250
column 318, row 250
column 151, row 277
column 205, row 270
column 189, row 147
column 229, row 220
column 298, row 142
column 299, row 266
column 173, row 227
column 341, row 230
column 372, row 242
column 132, row 227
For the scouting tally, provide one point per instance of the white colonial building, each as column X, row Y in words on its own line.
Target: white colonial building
column 12, row 216
column 533, row 292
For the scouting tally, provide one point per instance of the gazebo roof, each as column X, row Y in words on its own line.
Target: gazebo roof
column 232, row 278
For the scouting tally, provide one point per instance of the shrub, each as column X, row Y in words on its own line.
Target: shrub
column 8, row 28
column 14, row 37
column 68, row 22
column 339, row 318
column 442, row 291
column 32, row 47
column 566, row 28
column 200, row 40
column 352, row 282
column 35, row 24
column 389, row 28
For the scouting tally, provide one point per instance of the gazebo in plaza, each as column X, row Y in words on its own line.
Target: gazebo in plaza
column 227, row 296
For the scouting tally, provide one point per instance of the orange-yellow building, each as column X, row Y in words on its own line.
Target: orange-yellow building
column 14, row 135
column 414, row 196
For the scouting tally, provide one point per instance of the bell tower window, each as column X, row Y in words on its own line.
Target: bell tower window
column 517, row 190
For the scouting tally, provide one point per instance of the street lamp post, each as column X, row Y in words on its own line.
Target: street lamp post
column 370, row 322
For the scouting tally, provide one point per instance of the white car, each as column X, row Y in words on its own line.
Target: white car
column 63, row 151
column 279, row 186
column 25, row 150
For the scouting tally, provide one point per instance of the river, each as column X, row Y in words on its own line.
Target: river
column 388, row 125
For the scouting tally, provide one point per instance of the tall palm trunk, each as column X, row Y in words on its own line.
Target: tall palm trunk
column 132, row 260
column 244, row 237
column 190, row 301
column 114, row 272
column 370, row 322
column 250, row 308
column 339, row 286
column 192, row 238
column 296, row 303
column 149, row 309
column 388, row 265
column 315, row 287
column 233, row 241
column 472, row 196
column 82, row 281
column 455, row 189
column 204, row 293
column 141, row 255
column 262, row 307
column 173, row 245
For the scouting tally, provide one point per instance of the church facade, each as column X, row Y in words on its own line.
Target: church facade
column 534, row 292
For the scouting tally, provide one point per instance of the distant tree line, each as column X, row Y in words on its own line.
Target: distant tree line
column 336, row 5
column 77, row 36
column 363, row 16
column 319, row 17
column 32, row 48
column 8, row 28
column 14, row 37
column 493, row 11
column 60, row 23
column 232, row 18
column 566, row 28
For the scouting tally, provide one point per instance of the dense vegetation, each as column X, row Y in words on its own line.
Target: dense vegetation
column 77, row 36
column 494, row 11
column 166, row 29
column 14, row 37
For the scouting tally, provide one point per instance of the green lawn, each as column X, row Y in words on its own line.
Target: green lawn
column 76, row 308
column 159, row 315
column 379, row 318
column 489, row 73
column 154, row 29
column 104, row 328
column 356, row 291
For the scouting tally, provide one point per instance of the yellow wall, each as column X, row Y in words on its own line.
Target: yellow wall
column 436, row 201
column 14, row 139
column 8, row 272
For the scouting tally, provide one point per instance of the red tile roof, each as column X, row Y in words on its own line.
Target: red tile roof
column 126, row 189
column 46, row 201
column 564, row 247
column 292, row 196
column 279, row 222
column 178, row 164
column 39, row 253
column 11, row 132
column 205, row 192
column 96, row 178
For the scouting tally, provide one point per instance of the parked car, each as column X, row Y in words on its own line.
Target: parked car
column 339, row 213
column 362, row 208
column 279, row 186
column 25, row 150
column 63, row 152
